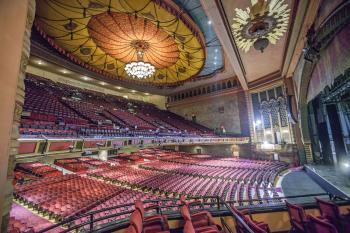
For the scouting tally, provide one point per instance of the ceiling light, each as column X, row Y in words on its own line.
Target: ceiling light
column 118, row 87
column 125, row 96
column 263, row 22
column 64, row 71
column 140, row 69
column 85, row 78
column 102, row 83
column 133, row 91
column 40, row 62
column 146, row 93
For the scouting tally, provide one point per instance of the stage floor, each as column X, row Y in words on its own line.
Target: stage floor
column 333, row 175
column 297, row 183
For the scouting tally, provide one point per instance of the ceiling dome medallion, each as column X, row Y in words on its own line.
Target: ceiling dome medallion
column 103, row 36
column 265, row 21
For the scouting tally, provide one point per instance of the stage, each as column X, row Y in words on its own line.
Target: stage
column 331, row 179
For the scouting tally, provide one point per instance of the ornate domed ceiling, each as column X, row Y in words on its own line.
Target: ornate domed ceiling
column 104, row 35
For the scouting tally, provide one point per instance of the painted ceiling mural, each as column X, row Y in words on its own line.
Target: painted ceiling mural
column 104, row 36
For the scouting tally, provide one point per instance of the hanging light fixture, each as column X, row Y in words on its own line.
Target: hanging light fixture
column 264, row 22
column 140, row 69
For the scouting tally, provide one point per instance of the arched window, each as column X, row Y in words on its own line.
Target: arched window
column 218, row 86
column 182, row 95
column 199, row 91
column 213, row 88
column 190, row 93
column 195, row 93
column 208, row 89
column 186, row 95
column 203, row 91
column 229, row 84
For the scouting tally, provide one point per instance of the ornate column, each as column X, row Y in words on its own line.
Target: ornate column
column 15, row 50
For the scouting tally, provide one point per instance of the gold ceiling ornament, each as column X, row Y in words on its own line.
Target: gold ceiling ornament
column 264, row 22
column 101, row 35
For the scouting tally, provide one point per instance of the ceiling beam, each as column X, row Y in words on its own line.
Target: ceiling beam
column 215, row 13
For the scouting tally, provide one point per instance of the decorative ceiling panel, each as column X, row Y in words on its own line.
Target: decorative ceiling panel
column 101, row 35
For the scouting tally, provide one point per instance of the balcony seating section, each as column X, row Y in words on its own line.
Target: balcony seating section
column 43, row 102
column 131, row 119
column 88, row 110
column 65, row 196
column 59, row 110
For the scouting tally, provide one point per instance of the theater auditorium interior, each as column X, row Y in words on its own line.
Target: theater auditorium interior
column 170, row 116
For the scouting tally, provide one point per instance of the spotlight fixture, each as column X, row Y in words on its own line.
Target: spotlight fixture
column 264, row 22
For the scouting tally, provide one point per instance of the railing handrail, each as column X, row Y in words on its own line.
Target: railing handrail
column 219, row 201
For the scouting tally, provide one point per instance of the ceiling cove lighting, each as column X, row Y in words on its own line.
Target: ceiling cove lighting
column 264, row 22
column 140, row 69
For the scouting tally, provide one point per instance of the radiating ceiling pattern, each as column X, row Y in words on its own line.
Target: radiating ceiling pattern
column 101, row 35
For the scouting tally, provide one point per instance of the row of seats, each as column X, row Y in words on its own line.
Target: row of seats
column 330, row 221
column 195, row 222
column 61, row 105
column 65, row 196
column 81, row 164
column 38, row 169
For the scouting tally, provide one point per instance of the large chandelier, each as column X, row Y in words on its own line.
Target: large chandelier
column 264, row 22
column 140, row 69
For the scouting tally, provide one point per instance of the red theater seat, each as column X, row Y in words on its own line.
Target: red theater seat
column 298, row 218
column 201, row 221
column 140, row 227
column 318, row 225
column 330, row 211
column 154, row 219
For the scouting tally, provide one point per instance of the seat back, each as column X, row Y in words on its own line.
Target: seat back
column 188, row 228
column 328, row 210
column 140, row 208
column 254, row 227
column 321, row 226
column 185, row 213
column 297, row 216
column 136, row 221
